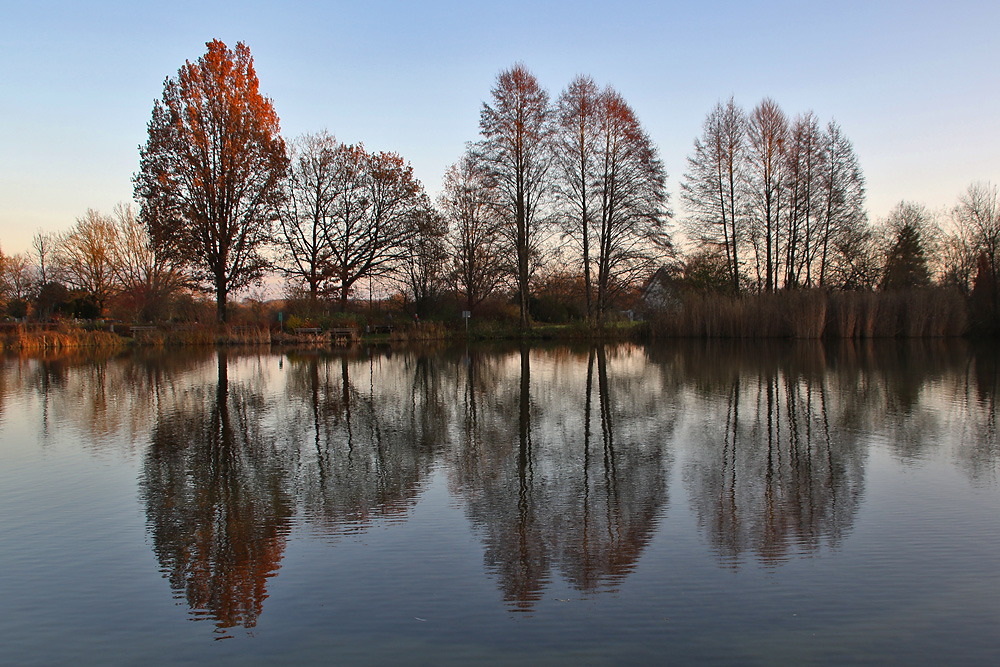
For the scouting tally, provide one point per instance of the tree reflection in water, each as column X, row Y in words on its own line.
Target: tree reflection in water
column 777, row 467
column 112, row 398
column 365, row 440
column 560, row 456
column 566, row 489
column 215, row 485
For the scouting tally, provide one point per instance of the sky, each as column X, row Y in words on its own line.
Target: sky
column 913, row 84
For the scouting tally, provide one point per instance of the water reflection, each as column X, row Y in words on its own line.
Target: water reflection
column 111, row 398
column 215, row 485
column 559, row 457
column 777, row 466
column 973, row 409
column 557, row 470
column 364, row 440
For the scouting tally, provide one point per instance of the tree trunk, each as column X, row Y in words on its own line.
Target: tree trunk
column 221, row 296
column 586, row 266
column 522, row 261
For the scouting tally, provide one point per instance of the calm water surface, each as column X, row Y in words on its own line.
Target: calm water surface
column 749, row 504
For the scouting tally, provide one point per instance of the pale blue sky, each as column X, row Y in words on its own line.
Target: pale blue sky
column 913, row 84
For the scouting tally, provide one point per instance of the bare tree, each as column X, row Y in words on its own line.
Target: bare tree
column 713, row 183
column 959, row 258
column 842, row 195
column 516, row 150
column 18, row 276
column 84, row 255
column 474, row 237
column 4, row 279
column 15, row 281
column 767, row 134
column 577, row 152
column 372, row 217
column 977, row 221
column 858, row 258
column 210, row 173
column 802, row 189
column 43, row 247
column 307, row 214
column 427, row 257
column 631, row 190
column 146, row 276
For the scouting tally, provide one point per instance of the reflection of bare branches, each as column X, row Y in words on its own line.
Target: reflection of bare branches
column 363, row 452
column 624, row 484
column 559, row 455
column 111, row 398
column 506, row 502
column 547, row 495
column 974, row 407
column 781, row 477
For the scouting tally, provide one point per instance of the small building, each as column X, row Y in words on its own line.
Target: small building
column 661, row 293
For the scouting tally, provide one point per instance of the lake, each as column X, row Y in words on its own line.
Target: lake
column 709, row 502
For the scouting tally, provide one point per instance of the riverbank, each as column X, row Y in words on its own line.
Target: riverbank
column 804, row 314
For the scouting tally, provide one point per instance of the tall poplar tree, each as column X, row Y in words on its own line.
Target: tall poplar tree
column 713, row 185
column 516, row 152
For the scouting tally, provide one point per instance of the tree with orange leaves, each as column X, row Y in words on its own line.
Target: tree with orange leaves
column 210, row 173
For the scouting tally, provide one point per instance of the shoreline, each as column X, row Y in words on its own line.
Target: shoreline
column 930, row 313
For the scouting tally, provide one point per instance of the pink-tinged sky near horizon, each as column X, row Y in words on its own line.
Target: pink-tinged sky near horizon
column 913, row 84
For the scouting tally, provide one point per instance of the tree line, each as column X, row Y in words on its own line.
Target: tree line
column 569, row 191
column 782, row 201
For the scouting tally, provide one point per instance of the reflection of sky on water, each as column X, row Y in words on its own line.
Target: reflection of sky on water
column 561, row 459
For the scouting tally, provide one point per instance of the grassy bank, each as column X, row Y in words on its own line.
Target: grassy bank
column 200, row 334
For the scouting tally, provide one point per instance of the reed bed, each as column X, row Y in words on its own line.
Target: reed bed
column 197, row 334
column 24, row 339
column 810, row 314
column 419, row 332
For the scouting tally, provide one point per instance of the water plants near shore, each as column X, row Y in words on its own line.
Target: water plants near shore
column 916, row 313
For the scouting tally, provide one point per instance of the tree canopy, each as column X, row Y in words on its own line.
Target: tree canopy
column 210, row 173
